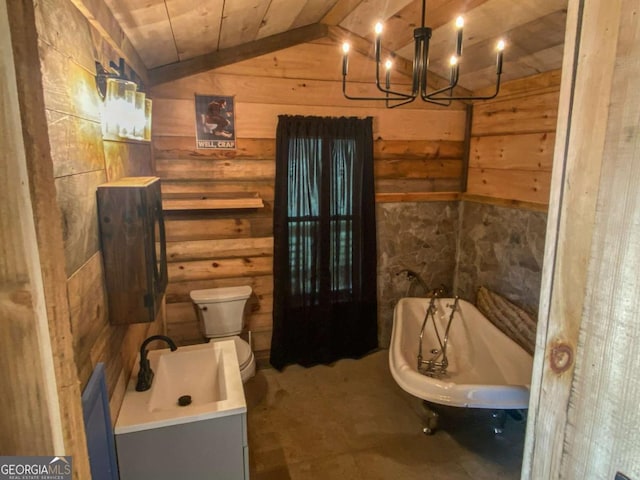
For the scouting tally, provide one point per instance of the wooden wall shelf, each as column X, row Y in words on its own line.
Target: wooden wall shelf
column 208, row 201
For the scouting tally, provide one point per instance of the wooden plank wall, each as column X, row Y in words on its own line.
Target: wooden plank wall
column 583, row 418
column 418, row 155
column 512, row 140
column 68, row 47
column 30, row 422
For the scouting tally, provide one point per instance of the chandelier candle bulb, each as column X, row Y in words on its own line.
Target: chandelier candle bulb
column 345, row 58
column 499, row 58
column 378, row 30
column 459, row 25
column 453, row 61
column 387, row 65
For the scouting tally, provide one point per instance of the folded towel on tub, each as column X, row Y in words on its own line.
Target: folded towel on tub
column 515, row 322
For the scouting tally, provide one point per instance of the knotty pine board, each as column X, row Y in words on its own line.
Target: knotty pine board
column 253, row 120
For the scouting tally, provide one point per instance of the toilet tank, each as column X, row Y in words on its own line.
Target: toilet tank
column 221, row 310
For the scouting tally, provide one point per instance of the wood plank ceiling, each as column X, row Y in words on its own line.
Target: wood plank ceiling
column 209, row 33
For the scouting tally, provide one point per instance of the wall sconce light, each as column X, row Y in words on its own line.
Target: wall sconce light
column 126, row 111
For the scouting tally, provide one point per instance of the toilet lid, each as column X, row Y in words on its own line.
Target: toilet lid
column 225, row 294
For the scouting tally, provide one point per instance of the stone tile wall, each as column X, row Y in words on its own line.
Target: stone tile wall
column 418, row 236
column 502, row 249
column 462, row 245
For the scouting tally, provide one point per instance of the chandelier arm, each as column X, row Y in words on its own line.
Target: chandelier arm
column 453, row 82
column 471, row 97
column 444, row 102
column 409, row 100
column 396, row 94
column 401, row 97
column 389, row 91
column 378, row 99
column 431, row 95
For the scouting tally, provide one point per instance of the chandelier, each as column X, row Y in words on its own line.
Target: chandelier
column 442, row 96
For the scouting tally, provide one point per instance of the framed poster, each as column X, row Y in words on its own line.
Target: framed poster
column 215, row 122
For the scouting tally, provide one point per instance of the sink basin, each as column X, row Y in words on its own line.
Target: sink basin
column 196, row 382
column 196, row 373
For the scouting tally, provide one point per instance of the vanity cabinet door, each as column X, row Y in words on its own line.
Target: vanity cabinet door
column 209, row 449
column 133, row 248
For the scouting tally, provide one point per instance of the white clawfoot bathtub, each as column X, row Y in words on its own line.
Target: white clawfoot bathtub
column 486, row 368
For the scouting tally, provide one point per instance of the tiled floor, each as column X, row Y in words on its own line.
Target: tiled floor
column 351, row 421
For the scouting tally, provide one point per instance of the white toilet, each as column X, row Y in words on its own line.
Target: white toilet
column 221, row 315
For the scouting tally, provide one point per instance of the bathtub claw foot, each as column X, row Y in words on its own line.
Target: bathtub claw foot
column 431, row 425
column 431, row 419
column 428, row 431
column 499, row 419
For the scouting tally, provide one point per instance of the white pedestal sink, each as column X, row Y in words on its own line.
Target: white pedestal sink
column 206, row 437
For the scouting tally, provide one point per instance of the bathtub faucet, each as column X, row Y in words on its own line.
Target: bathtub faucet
column 414, row 280
column 437, row 365
column 145, row 374
column 453, row 308
column 411, row 275
column 431, row 310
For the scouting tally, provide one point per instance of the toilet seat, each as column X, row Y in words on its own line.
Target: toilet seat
column 246, row 359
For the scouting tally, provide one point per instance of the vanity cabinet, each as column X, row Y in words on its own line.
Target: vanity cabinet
column 133, row 245
column 212, row 449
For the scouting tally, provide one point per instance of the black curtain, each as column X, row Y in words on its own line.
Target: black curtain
column 324, row 241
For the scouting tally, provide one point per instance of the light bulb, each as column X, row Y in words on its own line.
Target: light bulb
column 500, row 48
column 453, row 61
column 388, row 64
column 345, row 47
column 378, row 28
column 459, row 22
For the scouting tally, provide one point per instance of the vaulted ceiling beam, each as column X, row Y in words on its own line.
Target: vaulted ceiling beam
column 227, row 56
column 340, row 11
column 100, row 17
